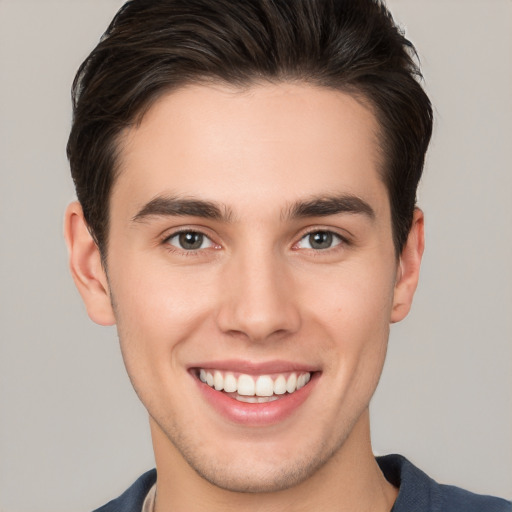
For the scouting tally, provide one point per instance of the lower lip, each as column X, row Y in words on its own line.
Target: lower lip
column 267, row 413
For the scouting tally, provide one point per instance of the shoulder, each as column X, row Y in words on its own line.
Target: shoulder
column 420, row 493
column 133, row 498
column 454, row 498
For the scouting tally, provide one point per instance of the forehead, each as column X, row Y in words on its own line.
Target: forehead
column 268, row 144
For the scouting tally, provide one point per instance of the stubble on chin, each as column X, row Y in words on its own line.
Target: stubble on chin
column 253, row 474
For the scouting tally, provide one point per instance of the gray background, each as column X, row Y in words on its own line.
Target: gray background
column 72, row 433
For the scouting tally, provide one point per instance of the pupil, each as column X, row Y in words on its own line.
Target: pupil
column 320, row 240
column 191, row 241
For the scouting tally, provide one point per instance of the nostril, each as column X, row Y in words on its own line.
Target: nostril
column 259, row 303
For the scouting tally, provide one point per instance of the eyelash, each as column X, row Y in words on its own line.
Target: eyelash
column 192, row 252
column 343, row 241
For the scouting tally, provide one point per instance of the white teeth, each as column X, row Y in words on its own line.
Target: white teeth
column 247, row 399
column 256, row 399
column 264, row 399
column 280, row 385
column 218, row 381
column 248, row 386
column 264, row 386
column 230, row 383
column 291, row 383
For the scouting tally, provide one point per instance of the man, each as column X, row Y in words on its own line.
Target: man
column 246, row 175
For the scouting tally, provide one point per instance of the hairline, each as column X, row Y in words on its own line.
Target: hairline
column 118, row 141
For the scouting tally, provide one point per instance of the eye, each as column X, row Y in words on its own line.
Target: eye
column 319, row 240
column 190, row 241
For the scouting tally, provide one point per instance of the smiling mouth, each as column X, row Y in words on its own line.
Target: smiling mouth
column 254, row 388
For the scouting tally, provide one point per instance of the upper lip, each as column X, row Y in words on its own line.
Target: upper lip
column 254, row 368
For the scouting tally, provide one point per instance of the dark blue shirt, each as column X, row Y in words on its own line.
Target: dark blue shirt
column 417, row 492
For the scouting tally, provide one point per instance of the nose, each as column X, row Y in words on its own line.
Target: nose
column 259, row 302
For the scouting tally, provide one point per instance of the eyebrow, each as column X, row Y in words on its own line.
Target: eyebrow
column 163, row 206
column 330, row 205
column 323, row 206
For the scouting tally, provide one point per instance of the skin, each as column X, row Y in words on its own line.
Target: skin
column 256, row 290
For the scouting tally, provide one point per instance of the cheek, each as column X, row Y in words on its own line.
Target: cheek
column 356, row 296
column 354, row 310
column 152, row 298
column 359, row 337
column 156, row 311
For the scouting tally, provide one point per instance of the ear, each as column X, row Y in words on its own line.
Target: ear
column 409, row 268
column 86, row 267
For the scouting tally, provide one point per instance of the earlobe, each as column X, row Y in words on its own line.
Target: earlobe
column 86, row 267
column 409, row 268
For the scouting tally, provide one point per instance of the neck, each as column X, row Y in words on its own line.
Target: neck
column 350, row 480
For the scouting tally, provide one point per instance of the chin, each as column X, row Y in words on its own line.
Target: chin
column 265, row 478
column 259, row 469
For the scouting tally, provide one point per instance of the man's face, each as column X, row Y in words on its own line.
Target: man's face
column 250, row 244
